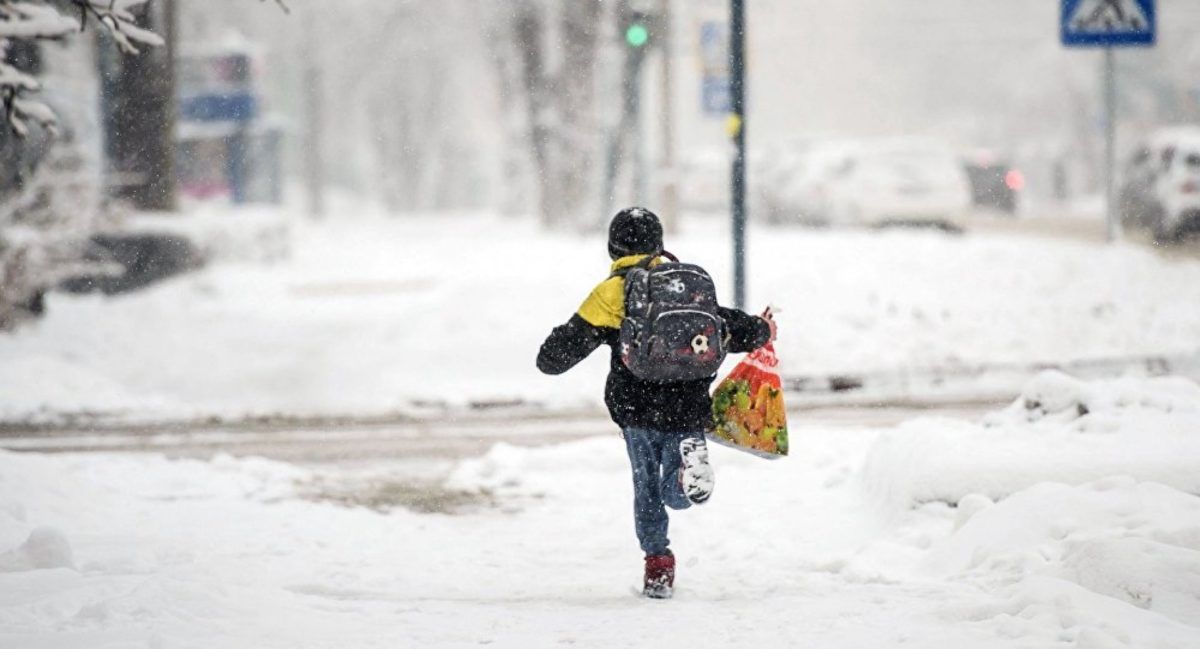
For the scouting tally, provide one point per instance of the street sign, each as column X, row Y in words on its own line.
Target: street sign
column 714, row 47
column 1108, row 23
column 714, row 68
column 219, row 107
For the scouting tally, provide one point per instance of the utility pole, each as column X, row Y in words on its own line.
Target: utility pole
column 636, row 32
column 314, row 158
column 1110, row 146
column 667, row 175
column 737, row 128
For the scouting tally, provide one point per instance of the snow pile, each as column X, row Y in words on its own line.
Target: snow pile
column 1099, row 407
column 1137, row 543
column 1059, row 429
column 44, row 499
column 35, row 493
column 147, row 535
column 45, row 548
column 250, row 235
column 514, row 471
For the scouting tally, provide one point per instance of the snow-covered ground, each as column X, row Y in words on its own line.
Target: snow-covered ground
column 371, row 315
column 848, row 543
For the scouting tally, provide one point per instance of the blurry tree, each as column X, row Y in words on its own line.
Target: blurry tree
column 44, row 222
column 408, row 103
column 48, row 209
column 314, row 164
column 395, row 107
column 44, row 20
column 555, row 45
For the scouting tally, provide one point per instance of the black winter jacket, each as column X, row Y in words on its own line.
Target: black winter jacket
column 682, row 406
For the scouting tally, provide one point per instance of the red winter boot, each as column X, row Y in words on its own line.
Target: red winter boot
column 660, row 576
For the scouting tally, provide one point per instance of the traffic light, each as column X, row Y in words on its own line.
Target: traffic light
column 638, row 29
column 637, row 34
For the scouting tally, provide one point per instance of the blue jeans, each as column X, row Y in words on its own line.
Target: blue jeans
column 654, row 457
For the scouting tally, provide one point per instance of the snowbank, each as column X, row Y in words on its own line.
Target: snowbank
column 514, row 471
column 45, row 548
column 245, row 235
column 1131, row 542
column 1059, row 429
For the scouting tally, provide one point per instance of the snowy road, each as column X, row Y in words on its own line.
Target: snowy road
column 429, row 437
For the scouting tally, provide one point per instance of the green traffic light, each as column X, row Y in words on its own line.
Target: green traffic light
column 637, row 35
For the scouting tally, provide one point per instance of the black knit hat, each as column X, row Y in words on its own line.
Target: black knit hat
column 635, row 231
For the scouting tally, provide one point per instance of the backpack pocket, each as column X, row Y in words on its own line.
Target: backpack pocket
column 677, row 345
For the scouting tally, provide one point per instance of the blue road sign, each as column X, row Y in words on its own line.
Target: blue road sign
column 1108, row 23
column 219, row 107
column 714, row 47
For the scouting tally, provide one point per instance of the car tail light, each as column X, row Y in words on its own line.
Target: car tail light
column 1015, row 180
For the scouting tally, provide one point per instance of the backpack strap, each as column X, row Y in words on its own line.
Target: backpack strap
column 643, row 264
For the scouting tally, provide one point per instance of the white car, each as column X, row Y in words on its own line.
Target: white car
column 882, row 182
column 780, row 168
column 1161, row 191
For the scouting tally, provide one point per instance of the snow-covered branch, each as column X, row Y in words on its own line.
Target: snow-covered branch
column 46, row 20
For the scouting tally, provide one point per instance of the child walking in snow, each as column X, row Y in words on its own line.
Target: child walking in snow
column 663, row 422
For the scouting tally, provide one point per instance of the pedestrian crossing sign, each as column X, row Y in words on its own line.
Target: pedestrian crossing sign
column 1108, row 23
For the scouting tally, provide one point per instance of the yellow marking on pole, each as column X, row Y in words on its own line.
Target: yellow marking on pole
column 733, row 124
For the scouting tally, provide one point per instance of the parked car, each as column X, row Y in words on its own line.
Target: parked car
column 1161, row 188
column 781, row 169
column 796, row 192
column 891, row 181
column 995, row 185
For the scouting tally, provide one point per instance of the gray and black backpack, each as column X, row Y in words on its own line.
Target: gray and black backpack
column 672, row 330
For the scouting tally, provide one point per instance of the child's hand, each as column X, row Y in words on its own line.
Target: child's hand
column 769, row 316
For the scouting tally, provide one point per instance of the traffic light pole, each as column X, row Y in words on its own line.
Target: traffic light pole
column 737, row 126
column 668, row 181
column 636, row 35
column 631, row 104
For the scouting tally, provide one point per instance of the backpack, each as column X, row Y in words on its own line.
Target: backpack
column 672, row 330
